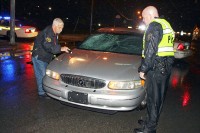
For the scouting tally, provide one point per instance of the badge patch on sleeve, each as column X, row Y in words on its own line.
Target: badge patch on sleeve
column 48, row 39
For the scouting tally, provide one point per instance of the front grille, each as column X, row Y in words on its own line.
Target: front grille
column 82, row 81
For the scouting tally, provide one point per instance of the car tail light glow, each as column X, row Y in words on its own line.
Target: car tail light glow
column 181, row 46
column 27, row 31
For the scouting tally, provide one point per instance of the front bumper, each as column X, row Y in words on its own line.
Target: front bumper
column 182, row 54
column 97, row 99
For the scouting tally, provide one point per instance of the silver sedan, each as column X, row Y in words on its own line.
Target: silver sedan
column 102, row 73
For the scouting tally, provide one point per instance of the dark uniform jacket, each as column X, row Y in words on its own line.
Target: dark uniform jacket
column 46, row 45
column 153, row 37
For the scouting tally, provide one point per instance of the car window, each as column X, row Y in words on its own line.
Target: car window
column 17, row 23
column 117, row 43
column 20, row 23
column 4, row 23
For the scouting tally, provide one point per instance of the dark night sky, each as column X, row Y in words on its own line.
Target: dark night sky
column 183, row 15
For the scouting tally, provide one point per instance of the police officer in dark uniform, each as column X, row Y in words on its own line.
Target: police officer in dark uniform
column 158, row 56
column 45, row 47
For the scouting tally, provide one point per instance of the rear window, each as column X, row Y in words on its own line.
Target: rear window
column 116, row 43
column 21, row 23
column 17, row 23
column 4, row 22
column 184, row 38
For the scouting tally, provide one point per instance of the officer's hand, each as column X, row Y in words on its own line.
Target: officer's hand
column 65, row 49
column 142, row 75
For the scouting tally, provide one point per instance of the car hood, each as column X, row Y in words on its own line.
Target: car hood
column 102, row 65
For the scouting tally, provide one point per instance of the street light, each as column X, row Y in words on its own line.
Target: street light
column 49, row 8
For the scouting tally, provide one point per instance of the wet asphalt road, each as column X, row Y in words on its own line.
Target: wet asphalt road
column 22, row 111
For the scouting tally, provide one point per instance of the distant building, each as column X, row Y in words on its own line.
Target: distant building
column 196, row 33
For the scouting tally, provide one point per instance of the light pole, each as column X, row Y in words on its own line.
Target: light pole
column 12, row 22
column 91, row 16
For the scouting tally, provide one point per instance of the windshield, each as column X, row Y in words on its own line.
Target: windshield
column 20, row 23
column 117, row 43
column 17, row 23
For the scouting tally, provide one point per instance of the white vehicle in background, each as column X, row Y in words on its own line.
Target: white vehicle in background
column 21, row 30
column 182, row 49
column 182, row 45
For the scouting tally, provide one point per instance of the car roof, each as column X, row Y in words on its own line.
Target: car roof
column 9, row 19
column 119, row 30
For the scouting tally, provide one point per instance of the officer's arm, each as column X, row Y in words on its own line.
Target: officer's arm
column 153, row 38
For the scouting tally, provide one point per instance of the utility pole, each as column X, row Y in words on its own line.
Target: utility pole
column 91, row 17
column 1, row 6
column 12, row 22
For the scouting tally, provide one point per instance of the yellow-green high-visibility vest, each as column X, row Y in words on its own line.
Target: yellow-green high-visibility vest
column 165, row 47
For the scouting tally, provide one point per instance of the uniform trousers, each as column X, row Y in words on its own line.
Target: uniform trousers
column 156, row 85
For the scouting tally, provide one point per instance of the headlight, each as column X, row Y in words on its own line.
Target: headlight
column 124, row 85
column 52, row 74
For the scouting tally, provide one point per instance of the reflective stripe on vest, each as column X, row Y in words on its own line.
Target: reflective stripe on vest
column 165, row 47
column 167, row 31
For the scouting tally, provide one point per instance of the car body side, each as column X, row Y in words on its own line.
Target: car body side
column 20, row 30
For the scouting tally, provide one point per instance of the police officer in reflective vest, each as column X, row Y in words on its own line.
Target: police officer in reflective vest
column 155, row 69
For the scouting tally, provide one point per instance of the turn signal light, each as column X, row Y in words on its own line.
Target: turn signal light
column 142, row 82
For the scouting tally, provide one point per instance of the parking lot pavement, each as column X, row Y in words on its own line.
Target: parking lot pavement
column 17, row 49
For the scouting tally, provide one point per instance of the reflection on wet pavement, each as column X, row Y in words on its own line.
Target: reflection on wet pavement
column 178, row 80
